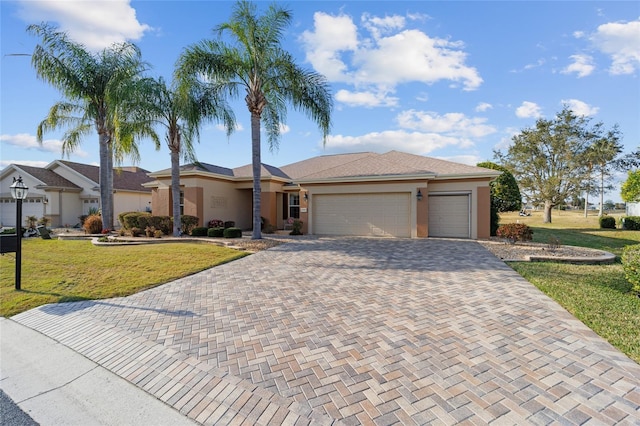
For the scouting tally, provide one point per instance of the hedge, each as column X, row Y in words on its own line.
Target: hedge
column 217, row 232
column 631, row 223
column 233, row 233
column 607, row 222
column 631, row 265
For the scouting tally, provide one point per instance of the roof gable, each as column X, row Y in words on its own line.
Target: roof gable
column 47, row 177
column 322, row 163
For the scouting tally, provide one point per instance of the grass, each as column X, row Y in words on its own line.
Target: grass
column 55, row 271
column 598, row 295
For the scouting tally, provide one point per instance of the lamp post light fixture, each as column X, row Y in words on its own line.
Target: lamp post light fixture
column 419, row 195
column 19, row 192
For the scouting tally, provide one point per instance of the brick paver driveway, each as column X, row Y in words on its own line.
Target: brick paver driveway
column 349, row 331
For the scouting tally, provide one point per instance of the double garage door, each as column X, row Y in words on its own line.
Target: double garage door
column 29, row 208
column 389, row 214
column 384, row 214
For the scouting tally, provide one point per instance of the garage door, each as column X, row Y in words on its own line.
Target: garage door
column 385, row 214
column 30, row 207
column 449, row 216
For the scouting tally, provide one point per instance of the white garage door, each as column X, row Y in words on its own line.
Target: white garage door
column 29, row 208
column 449, row 216
column 386, row 214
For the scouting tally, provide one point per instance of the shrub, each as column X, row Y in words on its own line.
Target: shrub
column 631, row 223
column 297, row 227
column 217, row 232
column 187, row 223
column 199, row 231
column 44, row 221
column 131, row 219
column 515, row 232
column 229, row 224
column 232, row 232
column 158, row 233
column 494, row 219
column 216, row 223
column 136, row 232
column 149, row 231
column 553, row 243
column 122, row 232
column 607, row 222
column 93, row 224
column 631, row 265
column 82, row 218
column 162, row 223
column 269, row 229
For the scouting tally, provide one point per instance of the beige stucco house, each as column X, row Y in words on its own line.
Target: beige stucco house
column 64, row 190
column 365, row 194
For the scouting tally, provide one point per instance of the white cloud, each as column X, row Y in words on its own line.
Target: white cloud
column 621, row 41
column 580, row 108
column 582, row 65
column 366, row 99
column 391, row 56
column 528, row 110
column 578, row 34
column 27, row 141
column 95, row 24
column 222, row 127
column 5, row 163
column 452, row 124
column 483, row 106
column 413, row 142
column 470, row 160
column 284, row 129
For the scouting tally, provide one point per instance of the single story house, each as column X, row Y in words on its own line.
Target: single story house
column 365, row 194
column 64, row 190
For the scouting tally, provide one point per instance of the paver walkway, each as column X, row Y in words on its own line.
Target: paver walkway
column 356, row 331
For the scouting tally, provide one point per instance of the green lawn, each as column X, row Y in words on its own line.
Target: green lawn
column 598, row 295
column 61, row 271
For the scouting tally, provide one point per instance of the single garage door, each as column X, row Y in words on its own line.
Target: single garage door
column 449, row 216
column 385, row 214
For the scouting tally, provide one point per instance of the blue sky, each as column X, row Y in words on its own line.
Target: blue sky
column 452, row 80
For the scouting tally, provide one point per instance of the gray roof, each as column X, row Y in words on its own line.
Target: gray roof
column 123, row 179
column 47, row 177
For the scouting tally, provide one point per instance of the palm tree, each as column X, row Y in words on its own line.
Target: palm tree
column 180, row 111
column 93, row 85
column 256, row 62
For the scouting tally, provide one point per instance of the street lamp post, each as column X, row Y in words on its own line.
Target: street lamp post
column 19, row 192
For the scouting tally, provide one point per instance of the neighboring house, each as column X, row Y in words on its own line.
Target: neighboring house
column 632, row 209
column 63, row 191
column 366, row 194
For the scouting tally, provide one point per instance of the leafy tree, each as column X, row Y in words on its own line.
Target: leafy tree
column 600, row 157
column 255, row 64
column 548, row 159
column 630, row 190
column 180, row 111
column 629, row 161
column 93, row 85
column 504, row 189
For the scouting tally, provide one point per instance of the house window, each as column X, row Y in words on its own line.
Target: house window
column 181, row 203
column 294, row 206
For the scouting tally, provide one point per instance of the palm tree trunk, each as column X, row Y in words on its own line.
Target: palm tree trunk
column 106, row 191
column 175, row 191
column 257, row 165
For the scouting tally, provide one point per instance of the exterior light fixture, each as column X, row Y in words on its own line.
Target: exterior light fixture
column 419, row 195
column 306, row 196
column 19, row 192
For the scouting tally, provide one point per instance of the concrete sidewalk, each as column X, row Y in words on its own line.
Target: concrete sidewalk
column 57, row 386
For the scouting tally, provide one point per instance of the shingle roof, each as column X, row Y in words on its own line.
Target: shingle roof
column 265, row 170
column 48, row 177
column 321, row 163
column 123, row 180
column 393, row 163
